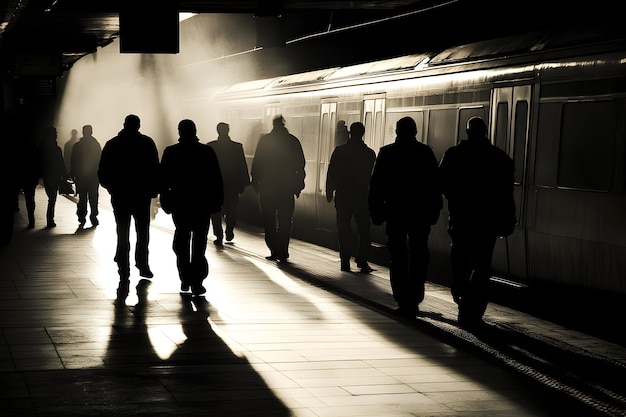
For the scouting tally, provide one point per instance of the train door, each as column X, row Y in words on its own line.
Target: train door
column 325, row 211
column 510, row 120
column 374, row 121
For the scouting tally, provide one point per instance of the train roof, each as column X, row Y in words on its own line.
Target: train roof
column 525, row 45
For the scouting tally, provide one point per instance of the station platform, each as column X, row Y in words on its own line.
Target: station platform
column 299, row 338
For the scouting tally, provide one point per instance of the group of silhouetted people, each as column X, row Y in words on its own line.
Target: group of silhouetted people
column 403, row 188
column 199, row 184
column 38, row 158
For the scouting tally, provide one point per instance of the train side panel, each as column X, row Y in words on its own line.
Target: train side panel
column 561, row 120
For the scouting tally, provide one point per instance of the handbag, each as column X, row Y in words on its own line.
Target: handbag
column 66, row 187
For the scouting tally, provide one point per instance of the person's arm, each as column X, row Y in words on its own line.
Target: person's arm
column 376, row 195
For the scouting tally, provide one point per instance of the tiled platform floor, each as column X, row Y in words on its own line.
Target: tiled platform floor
column 262, row 342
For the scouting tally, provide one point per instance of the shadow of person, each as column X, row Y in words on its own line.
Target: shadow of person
column 201, row 376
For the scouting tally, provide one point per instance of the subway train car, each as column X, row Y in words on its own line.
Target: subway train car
column 555, row 103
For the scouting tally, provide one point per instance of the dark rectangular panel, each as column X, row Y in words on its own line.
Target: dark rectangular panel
column 149, row 27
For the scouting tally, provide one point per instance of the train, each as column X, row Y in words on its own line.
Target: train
column 555, row 102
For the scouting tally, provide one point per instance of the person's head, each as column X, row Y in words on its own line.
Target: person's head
column 406, row 127
column 278, row 121
column 74, row 134
column 223, row 129
column 186, row 128
column 357, row 130
column 476, row 128
column 87, row 130
column 49, row 133
column 132, row 123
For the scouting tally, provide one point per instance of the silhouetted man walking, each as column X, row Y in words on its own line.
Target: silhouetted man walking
column 84, row 170
column 348, row 179
column 277, row 175
column 191, row 189
column 128, row 169
column 52, row 170
column 235, row 176
column 404, row 193
column 477, row 181
column 27, row 169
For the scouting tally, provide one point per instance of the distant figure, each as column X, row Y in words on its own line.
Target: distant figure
column 52, row 169
column 84, row 170
column 236, row 177
column 27, row 164
column 341, row 133
column 477, row 181
column 67, row 151
column 277, row 175
column 348, row 179
column 128, row 169
column 191, row 190
column 404, row 193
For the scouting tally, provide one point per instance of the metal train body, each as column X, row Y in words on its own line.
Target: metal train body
column 554, row 103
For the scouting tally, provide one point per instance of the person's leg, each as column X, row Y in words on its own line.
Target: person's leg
column 218, row 231
column 460, row 262
column 93, row 194
column 122, row 253
column 362, row 219
column 419, row 257
column 141, row 214
column 199, row 263
column 268, row 214
column 231, row 202
column 29, row 199
column 344, row 234
column 477, row 293
column 399, row 268
column 285, row 223
column 52, row 189
column 182, row 236
column 81, row 207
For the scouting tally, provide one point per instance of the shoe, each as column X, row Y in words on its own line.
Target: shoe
column 229, row 236
column 272, row 258
column 94, row 222
column 407, row 313
column 198, row 290
column 146, row 273
column 31, row 225
column 470, row 323
column 365, row 268
column 51, row 224
column 218, row 243
column 184, row 287
column 345, row 266
column 81, row 223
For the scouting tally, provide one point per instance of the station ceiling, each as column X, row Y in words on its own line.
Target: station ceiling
column 75, row 28
column 72, row 29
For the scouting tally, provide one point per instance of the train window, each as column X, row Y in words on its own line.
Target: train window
column 519, row 140
column 248, row 131
column 368, row 123
column 391, row 118
column 309, row 135
column 441, row 130
column 547, row 145
column 464, row 116
column 502, row 126
column 588, row 132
